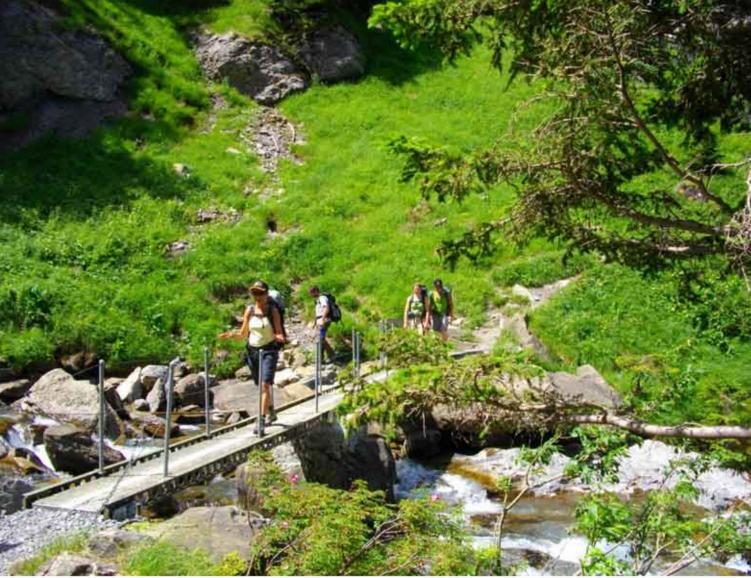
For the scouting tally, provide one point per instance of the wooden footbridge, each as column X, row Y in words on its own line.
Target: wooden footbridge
column 119, row 489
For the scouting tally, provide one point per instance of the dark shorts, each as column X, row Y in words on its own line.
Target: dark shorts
column 270, row 359
column 440, row 322
column 322, row 331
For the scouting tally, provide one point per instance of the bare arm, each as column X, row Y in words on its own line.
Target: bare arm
column 406, row 310
column 276, row 320
column 244, row 329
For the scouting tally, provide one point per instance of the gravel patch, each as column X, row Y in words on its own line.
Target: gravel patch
column 24, row 533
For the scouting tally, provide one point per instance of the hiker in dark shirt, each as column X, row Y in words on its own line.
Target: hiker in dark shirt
column 441, row 308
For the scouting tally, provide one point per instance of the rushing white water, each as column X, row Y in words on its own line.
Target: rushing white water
column 538, row 530
column 643, row 468
column 19, row 437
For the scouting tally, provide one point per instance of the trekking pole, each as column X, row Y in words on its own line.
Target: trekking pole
column 168, row 425
column 101, row 417
column 259, row 421
column 206, row 408
column 317, row 384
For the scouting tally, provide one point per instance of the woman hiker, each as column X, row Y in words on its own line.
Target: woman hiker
column 416, row 309
column 262, row 328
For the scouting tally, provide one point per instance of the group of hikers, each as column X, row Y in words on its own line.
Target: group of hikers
column 265, row 334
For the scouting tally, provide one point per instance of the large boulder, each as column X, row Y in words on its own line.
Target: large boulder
column 66, row 81
column 234, row 395
column 191, row 389
column 153, row 426
column 157, row 397
column 11, row 391
column 69, row 564
column 131, row 389
column 586, row 386
column 110, row 543
column 329, row 458
column 73, row 450
column 216, row 530
column 261, row 71
column 12, row 490
column 333, row 54
column 59, row 396
column 151, row 374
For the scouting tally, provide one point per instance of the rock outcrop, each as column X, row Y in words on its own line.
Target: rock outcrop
column 68, row 564
column 72, row 450
column 59, row 396
column 109, row 543
column 191, row 390
column 332, row 54
column 261, row 71
column 217, row 530
column 56, row 79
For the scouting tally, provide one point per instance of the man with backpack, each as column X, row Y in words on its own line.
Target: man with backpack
column 416, row 309
column 441, row 308
column 263, row 330
column 327, row 312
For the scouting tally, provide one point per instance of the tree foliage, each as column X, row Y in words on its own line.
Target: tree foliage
column 312, row 529
column 627, row 163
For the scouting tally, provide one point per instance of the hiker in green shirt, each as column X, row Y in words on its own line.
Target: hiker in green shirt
column 441, row 308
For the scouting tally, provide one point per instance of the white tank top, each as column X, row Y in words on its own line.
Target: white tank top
column 261, row 331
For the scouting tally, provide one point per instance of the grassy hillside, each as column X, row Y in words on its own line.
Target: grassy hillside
column 84, row 224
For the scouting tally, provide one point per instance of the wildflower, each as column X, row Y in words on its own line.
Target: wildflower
column 294, row 478
column 434, row 497
column 285, row 524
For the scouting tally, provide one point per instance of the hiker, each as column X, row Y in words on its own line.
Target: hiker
column 416, row 309
column 264, row 330
column 441, row 308
column 325, row 313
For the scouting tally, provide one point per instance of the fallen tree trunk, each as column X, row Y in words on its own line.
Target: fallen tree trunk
column 651, row 430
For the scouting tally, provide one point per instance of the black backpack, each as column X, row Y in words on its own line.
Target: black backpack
column 335, row 313
column 275, row 300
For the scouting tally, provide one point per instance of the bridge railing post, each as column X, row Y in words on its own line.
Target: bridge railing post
column 169, row 386
column 317, row 382
column 259, row 419
column 206, row 399
column 358, row 346
column 354, row 352
column 102, row 416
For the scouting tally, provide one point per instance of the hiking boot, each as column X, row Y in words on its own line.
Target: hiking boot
column 261, row 423
column 272, row 417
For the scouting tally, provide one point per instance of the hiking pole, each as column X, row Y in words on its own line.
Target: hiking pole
column 206, row 408
column 101, row 417
column 168, row 426
column 259, row 421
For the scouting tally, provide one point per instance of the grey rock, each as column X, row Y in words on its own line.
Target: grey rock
column 157, row 397
column 243, row 373
column 12, row 490
column 141, row 405
column 13, row 390
column 73, row 450
column 151, row 374
column 177, row 248
column 586, row 386
column 111, row 395
column 153, row 426
column 328, row 458
column 423, row 444
column 285, row 377
column 261, row 71
column 517, row 325
column 109, row 543
column 69, row 81
column 333, row 54
column 67, row 564
column 131, row 389
column 191, row 389
column 59, row 396
column 216, row 530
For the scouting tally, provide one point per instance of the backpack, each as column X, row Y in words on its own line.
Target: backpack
column 335, row 313
column 275, row 299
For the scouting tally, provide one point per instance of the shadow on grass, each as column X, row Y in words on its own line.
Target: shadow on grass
column 76, row 177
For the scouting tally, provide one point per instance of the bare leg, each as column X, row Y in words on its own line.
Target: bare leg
column 265, row 398
column 327, row 348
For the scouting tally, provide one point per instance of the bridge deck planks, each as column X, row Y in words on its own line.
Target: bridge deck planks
column 102, row 494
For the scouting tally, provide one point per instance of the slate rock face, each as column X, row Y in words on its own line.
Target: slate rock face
column 56, row 79
column 261, row 71
column 333, row 54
